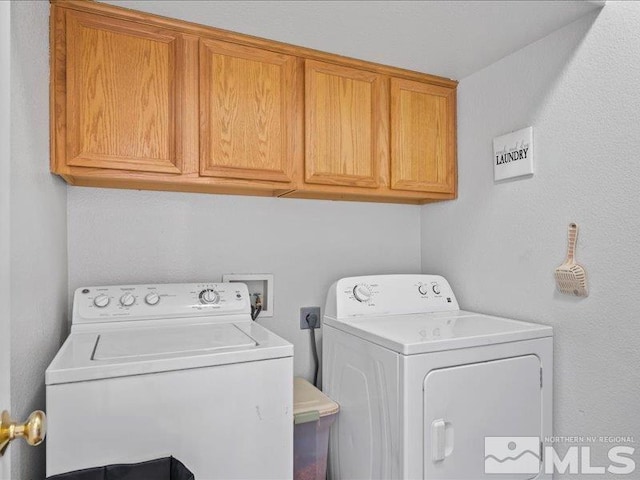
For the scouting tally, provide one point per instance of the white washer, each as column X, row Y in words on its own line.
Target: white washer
column 421, row 383
column 180, row 369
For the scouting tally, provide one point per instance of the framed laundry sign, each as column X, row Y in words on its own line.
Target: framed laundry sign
column 513, row 154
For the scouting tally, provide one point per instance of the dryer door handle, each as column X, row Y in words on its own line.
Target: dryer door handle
column 441, row 440
column 438, row 431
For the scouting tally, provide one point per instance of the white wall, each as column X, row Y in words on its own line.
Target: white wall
column 499, row 244
column 37, row 230
column 418, row 35
column 124, row 236
column 5, row 215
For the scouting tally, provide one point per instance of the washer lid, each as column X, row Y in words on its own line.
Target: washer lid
column 136, row 351
column 434, row 332
column 170, row 340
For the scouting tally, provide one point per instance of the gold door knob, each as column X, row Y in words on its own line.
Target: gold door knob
column 33, row 430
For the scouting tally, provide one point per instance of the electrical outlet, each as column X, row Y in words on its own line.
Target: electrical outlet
column 313, row 313
column 260, row 283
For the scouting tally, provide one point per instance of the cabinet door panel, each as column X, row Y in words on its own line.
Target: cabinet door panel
column 248, row 108
column 423, row 155
column 346, row 125
column 122, row 106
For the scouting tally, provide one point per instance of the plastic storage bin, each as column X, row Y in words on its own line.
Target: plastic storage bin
column 313, row 414
column 160, row 469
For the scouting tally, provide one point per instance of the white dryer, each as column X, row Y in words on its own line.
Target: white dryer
column 428, row 391
column 151, row 371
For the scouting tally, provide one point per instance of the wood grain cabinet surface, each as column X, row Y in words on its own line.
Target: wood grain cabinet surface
column 345, row 125
column 248, row 113
column 123, row 106
column 422, row 137
column 147, row 102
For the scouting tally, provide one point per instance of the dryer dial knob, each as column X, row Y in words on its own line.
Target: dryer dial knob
column 209, row 297
column 101, row 301
column 362, row 293
column 127, row 300
column 436, row 289
column 422, row 289
column 152, row 298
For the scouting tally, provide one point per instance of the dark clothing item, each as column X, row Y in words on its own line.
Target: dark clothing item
column 160, row 469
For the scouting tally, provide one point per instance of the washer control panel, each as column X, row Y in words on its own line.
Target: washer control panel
column 158, row 301
column 390, row 295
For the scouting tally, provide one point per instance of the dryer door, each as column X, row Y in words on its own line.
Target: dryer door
column 483, row 420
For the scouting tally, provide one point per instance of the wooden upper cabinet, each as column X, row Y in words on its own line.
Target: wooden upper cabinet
column 346, row 125
column 423, row 140
column 129, row 90
column 250, row 111
column 147, row 102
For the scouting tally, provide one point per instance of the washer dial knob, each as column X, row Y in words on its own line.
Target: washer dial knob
column 101, row 301
column 209, row 297
column 127, row 300
column 422, row 289
column 362, row 293
column 436, row 289
column 152, row 298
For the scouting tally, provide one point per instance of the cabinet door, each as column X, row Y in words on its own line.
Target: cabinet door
column 346, row 114
column 423, row 140
column 249, row 112
column 130, row 95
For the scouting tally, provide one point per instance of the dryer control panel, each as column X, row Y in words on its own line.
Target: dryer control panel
column 159, row 301
column 376, row 295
